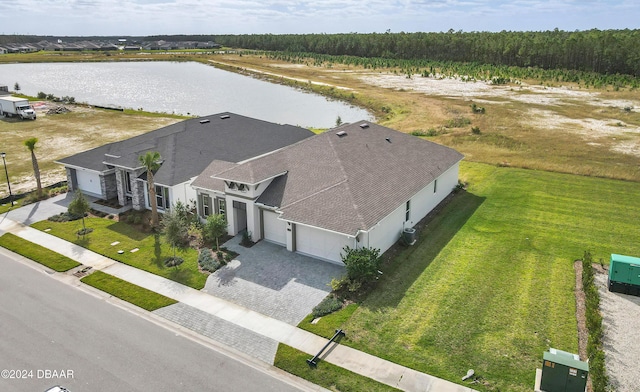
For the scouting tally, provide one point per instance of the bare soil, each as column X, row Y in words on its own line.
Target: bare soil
column 621, row 343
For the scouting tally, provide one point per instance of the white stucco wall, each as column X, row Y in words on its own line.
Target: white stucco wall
column 390, row 228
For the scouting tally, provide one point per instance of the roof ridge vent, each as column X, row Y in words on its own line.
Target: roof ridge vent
column 206, row 120
column 364, row 125
column 224, row 116
column 341, row 133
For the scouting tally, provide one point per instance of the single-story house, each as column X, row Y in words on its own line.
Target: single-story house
column 358, row 185
column 186, row 149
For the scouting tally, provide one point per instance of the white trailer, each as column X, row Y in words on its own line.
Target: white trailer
column 14, row 106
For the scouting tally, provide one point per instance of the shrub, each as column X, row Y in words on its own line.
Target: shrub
column 64, row 217
column 361, row 264
column 328, row 305
column 475, row 130
column 477, row 109
column 206, row 261
column 458, row 122
column 419, row 132
column 595, row 353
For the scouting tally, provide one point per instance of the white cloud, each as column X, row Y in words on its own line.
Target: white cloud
column 145, row 17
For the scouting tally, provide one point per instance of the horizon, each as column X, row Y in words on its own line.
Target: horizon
column 141, row 18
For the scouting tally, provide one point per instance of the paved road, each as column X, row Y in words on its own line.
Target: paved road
column 47, row 325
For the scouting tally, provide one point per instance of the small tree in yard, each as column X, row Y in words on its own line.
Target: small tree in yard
column 175, row 232
column 79, row 206
column 214, row 228
column 361, row 264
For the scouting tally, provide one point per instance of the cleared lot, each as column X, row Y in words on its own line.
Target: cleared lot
column 621, row 318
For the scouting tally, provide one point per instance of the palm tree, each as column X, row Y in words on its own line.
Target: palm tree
column 151, row 162
column 31, row 145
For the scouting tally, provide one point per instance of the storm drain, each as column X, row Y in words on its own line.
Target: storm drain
column 83, row 272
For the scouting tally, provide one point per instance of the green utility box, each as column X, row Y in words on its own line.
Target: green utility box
column 624, row 274
column 563, row 372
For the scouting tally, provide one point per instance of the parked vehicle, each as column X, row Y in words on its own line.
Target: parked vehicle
column 14, row 106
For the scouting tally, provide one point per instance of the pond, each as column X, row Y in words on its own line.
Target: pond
column 187, row 88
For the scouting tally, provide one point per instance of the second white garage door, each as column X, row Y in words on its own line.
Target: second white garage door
column 321, row 243
column 275, row 230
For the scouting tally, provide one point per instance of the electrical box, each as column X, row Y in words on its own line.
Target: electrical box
column 563, row 372
column 624, row 274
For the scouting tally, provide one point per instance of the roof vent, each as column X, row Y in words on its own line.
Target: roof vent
column 341, row 133
column 225, row 116
column 206, row 120
column 364, row 125
column 388, row 139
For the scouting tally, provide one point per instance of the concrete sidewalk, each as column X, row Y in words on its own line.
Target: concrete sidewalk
column 356, row 361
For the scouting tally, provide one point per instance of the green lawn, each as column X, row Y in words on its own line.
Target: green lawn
column 139, row 296
column 489, row 285
column 325, row 374
column 37, row 253
column 152, row 248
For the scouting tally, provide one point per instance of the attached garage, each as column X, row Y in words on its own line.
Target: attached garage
column 275, row 230
column 89, row 182
column 322, row 244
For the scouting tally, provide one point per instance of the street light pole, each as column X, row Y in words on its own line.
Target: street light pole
column 6, row 173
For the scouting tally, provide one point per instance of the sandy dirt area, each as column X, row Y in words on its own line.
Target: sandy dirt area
column 621, row 321
column 535, row 95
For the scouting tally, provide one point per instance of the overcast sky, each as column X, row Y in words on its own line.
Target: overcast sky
column 148, row 17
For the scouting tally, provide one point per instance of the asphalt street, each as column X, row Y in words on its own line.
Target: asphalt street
column 52, row 333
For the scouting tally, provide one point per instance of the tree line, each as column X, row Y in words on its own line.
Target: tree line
column 600, row 51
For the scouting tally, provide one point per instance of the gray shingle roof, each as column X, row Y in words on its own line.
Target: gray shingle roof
column 346, row 183
column 188, row 147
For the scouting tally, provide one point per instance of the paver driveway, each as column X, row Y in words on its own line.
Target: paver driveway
column 271, row 280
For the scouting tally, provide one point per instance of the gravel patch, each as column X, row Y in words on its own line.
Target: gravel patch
column 621, row 321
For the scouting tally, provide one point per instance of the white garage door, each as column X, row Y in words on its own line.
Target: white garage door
column 275, row 230
column 89, row 182
column 320, row 243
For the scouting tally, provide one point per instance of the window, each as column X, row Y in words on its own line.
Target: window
column 407, row 213
column 205, row 205
column 127, row 183
column 162, row 197
column 435, row 185
column 222, row 206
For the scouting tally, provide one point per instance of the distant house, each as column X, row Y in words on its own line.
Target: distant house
column 3, row 50
column 359, row 185
column 187, row 148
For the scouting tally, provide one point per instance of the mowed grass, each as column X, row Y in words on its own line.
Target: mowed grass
column 153, row 250
column 325, row 374
column 37, row 253
column 139, row 296
column 489, row 285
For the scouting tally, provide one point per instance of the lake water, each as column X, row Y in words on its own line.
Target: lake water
column 178, row 87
